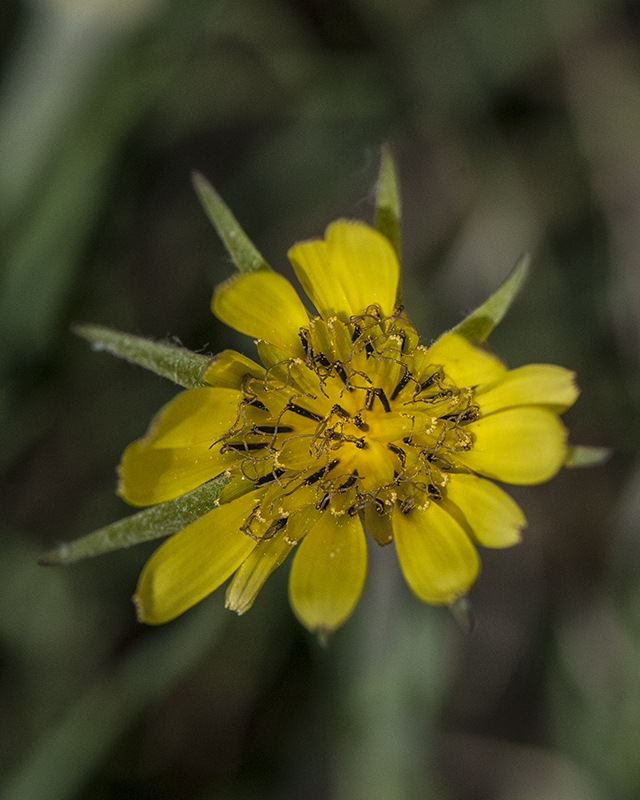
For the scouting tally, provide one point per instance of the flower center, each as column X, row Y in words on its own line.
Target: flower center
column 364, row 419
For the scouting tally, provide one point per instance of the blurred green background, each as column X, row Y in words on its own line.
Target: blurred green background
column 516, row 127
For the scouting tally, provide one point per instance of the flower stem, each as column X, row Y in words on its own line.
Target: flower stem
column 391, row 693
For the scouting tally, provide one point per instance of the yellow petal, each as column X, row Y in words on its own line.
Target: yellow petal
column 196, row 416
column 437, row 558
column 352, row 268
column 228, row 369
column 464, row 363
column 533, row 384
column 178, row 452
column 494, row 518
column 254, row 571
column 265, row 305
column 520, row 445
column 194, row 562
column 148, row 475
column 378, row 525
column 328, row 572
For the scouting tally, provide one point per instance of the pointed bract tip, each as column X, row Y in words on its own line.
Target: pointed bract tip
column 463, row 614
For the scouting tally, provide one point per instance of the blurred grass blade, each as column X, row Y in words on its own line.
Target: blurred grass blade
column 388, row 208
column 152, row 523
column 479, row 324
column 241, row 249
column 169, row 361
column 581, row 455
column 69, row 754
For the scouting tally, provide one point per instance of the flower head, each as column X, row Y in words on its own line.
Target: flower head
column 347, row 427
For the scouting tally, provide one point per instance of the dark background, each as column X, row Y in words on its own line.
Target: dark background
column 516, row 127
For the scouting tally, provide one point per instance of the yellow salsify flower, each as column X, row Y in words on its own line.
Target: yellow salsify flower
column 348, row 426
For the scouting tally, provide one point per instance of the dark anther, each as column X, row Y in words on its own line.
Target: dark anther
column 272, row 429
column 434, row 492
column 322, row 504
column 361, row 444
column 463, row 417
column 357, row 330
column 253, row 401
column 303, row 412
column 379, row 506
column 371, row 396
column 368, row 348
column 269, row 477
column 275, row 528
column 360, row 423
column 315, row 477
column 303, row 333
column 430, row 381
column 399, row 452
column 342, row 373
column 401, row 384
column 406, row 505
column 349, row 482
column 239, row 446
column 337, row 409
column 322, row 360
column 470, row 414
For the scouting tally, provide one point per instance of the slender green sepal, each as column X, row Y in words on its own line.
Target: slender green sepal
column 388, row 208
column 581, row 455
column 479, row 323
column 241, row 249
column 463, row 614
column 169, row 361
column 164, row 519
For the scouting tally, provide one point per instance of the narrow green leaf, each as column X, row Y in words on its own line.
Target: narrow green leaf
column 388, row 207
column 241, row 249
column 479, row 324
column 164, row 519
column 176, row 363
column 581, row 455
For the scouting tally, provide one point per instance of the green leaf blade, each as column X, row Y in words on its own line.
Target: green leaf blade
column 477, row 326
column 164, row 519
column 169, row 361
column 388, row 218
column 245, row 255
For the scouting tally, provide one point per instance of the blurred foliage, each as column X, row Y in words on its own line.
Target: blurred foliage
column 516, row 127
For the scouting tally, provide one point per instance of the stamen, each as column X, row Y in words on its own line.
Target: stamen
column 370, row 397
column 271, row 429
column 316, row 476
column 239, row 446
column 399, row 452
column 349, row 482
column 270, row 477
column 342, row 374
column 303, row 412
column 275, row 528
column 360, row 423
column 337, row 409
column 401, row 384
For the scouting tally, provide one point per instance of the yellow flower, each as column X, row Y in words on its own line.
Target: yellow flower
column 348, row 426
